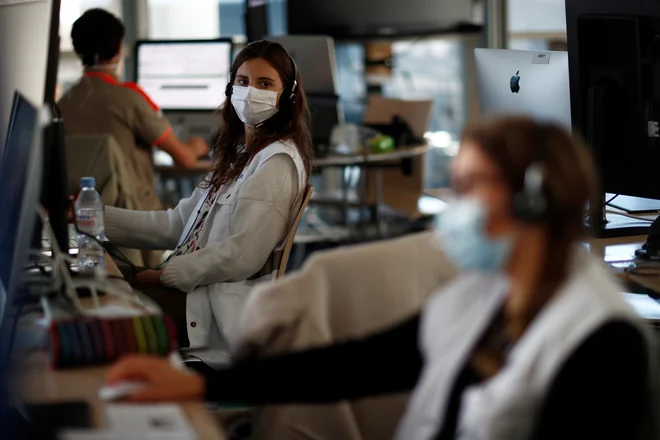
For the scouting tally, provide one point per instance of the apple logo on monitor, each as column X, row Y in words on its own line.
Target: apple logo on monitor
column 515, row 83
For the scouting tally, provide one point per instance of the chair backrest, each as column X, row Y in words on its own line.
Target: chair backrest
column 99, row 156
column 291, row 235
column 339, row 295
column 88, row 156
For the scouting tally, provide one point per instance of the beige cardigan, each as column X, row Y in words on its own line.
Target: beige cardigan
column 340, row 294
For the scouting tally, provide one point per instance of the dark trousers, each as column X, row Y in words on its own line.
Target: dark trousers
column 172, row 302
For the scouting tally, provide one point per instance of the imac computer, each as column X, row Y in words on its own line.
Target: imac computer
column 184, row 75
column 20, row 191
column 526, row 83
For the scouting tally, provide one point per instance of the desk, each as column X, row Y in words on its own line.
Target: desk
column 612, row 250
column 36, row 382
column 333, row 160
column 376, row 163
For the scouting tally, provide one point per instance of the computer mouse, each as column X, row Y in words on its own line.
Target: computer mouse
column 120, row 389
column 651, row 249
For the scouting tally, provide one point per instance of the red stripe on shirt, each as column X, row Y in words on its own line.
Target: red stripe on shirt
column 162, row 137
column 104, row 76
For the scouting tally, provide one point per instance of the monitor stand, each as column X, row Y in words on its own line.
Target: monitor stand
column 634, row 205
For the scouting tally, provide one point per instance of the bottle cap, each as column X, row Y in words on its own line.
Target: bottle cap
column 87, row 182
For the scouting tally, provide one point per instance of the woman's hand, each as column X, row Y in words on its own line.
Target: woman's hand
column 163, row 382
column 148, row 278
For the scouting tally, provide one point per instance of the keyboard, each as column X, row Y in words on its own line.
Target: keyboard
column 73, row 244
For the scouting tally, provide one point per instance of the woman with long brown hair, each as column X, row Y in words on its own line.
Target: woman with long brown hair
column 227, row 235
column 531, row 341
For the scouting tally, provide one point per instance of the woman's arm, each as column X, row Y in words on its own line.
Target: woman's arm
column 149, row 229
column 258, row 224
column 601, row 390
column 387, row 362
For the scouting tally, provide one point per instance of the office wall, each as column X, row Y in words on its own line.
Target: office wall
column 70, row 10
column 177, row 19
column 533, row 16
column 24, row 31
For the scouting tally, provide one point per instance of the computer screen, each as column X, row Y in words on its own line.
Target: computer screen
column 316, row 61
column 525, row 83
column 20, row 187
column 184, row 75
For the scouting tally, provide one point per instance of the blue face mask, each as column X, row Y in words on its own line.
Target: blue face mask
column 461, row 234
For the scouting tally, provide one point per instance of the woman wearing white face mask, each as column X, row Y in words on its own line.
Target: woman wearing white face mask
column 227, row 236
column 532, row 341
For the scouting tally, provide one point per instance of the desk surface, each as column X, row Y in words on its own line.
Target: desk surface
column 204, row 166
column 398, row 154
column 36, row 382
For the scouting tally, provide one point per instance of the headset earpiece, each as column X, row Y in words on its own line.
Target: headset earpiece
column 294, row 84
column 531, row 205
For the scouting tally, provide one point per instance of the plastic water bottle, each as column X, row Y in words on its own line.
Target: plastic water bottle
column 89, row 218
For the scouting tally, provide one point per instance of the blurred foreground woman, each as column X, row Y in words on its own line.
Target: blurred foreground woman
column 532, row 341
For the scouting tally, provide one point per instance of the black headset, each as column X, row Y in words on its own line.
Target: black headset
column 530, row 205
column 292, row 91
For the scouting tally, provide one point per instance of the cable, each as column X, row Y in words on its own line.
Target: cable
column 610, row 200
column 586, row 216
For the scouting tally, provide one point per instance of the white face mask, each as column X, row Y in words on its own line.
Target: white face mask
column 253, row 106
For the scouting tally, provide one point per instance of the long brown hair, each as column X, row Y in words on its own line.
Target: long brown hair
column 512, row 143
column 292, row 121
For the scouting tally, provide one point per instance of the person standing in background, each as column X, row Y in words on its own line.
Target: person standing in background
column 101, row 104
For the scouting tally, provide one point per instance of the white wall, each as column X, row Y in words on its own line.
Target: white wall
column 70, row 10
column 177, row 19
column 527, row 16
column 24, row 29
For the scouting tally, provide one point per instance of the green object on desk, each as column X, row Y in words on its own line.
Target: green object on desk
column 381, row 144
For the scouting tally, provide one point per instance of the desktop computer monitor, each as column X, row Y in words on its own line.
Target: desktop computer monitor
column 20, row 190
column 184, row 75
column 614, row 54
column 526, row 83
column 24, row 40
column 317, row 63
column 12, row 116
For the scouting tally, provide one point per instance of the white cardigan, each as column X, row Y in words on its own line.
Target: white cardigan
column 218, row 277
column 504, row 407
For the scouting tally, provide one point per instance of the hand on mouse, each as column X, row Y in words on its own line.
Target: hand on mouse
column 162, row 381
column 148, row 278
column 199, row 146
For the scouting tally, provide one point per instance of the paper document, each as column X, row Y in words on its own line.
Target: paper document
column 645, row 306
column 110, row 435
column 128, row 422
column 164, row 418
